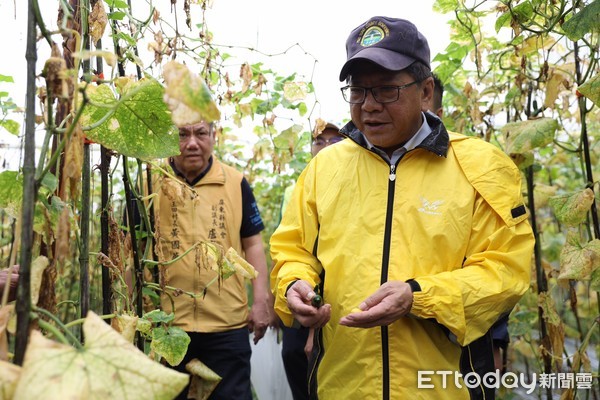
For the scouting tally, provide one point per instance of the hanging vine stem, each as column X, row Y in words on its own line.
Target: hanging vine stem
column 82, row 320
column 587, row 157
column 30, row 189
column 137, row 267
column 40, row 176
column 84, row 257
column 38, row 310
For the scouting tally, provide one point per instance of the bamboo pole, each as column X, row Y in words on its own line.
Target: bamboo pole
column 23, row 305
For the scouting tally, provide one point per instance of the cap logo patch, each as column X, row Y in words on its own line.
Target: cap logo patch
column 373, row 32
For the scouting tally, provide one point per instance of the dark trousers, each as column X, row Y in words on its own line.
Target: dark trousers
column 228, row 355
column 295, row 361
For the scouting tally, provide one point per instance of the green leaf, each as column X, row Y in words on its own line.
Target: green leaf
column 525, row 136
column 108, row 367
column 50, row 182
column 503, row 20
column 287, row 139
column 571, row 209
column 302, row 109
column 117, row 15
column 523, row 12
column 137, row 125
column 170, row 343
column 521, row 322
column 6, row 78
column 152, row 295
column 117, row 4
column 595, row 280
column 130, row 40
column 158, row 317
column 11, row 126
column 11, row 192
column 144, row 327
column 591, row 89
column 227, row 269
column 445, row 6
column 583, row 22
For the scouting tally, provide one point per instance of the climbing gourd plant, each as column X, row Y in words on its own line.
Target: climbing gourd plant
column 86, row 322
column 524, row 75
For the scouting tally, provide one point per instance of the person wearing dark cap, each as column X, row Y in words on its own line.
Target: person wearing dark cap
column 415, row 238
column 297, row 343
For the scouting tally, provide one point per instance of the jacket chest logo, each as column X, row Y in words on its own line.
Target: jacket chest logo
column 430, row 207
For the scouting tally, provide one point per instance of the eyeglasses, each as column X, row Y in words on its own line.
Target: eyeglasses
column 381, row 94
column 324, row 142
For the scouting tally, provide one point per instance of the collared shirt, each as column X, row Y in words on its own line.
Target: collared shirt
column 413, row 142
column 252, row 222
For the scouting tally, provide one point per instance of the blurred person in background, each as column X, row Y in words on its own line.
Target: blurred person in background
column 298, row 341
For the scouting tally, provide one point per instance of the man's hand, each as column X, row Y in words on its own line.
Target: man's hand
column 260, row 317
column 392, row 301
column 299, row 297
column 12, row 283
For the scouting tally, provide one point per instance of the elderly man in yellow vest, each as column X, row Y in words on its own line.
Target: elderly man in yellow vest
column 211, row 201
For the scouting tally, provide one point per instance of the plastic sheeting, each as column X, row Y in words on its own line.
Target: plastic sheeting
column 267, row 372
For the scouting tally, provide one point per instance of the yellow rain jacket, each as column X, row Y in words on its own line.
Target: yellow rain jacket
column 450, row 215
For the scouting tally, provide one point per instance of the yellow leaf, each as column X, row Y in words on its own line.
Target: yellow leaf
column 542, row 193
column 242, row 266
column 204, row 380
column 553, row 88
column 578, row 261
column 8, row 380
column 213, row 255
column 320, row 126
column 5, row 314
column 188, row 96
column 126, row 326
column 294, row 91
column 108, row 367
column 556, row 329
column 37, row 271
column 572, row 208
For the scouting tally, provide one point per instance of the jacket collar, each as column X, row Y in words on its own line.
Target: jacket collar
column 212, row 174
column 436, row 142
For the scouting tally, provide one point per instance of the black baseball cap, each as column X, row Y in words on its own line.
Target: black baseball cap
column 391, row 43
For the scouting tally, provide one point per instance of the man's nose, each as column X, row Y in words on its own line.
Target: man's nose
column 192, row 142
column 370, row 103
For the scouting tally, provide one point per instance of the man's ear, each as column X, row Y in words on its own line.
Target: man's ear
column 427, row 93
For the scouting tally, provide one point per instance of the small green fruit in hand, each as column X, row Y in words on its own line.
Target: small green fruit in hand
column 317, row 301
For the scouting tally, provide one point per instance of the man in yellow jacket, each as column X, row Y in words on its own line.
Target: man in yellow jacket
column 416, row 239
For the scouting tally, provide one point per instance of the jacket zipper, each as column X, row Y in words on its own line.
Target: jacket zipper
column 385, row 261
